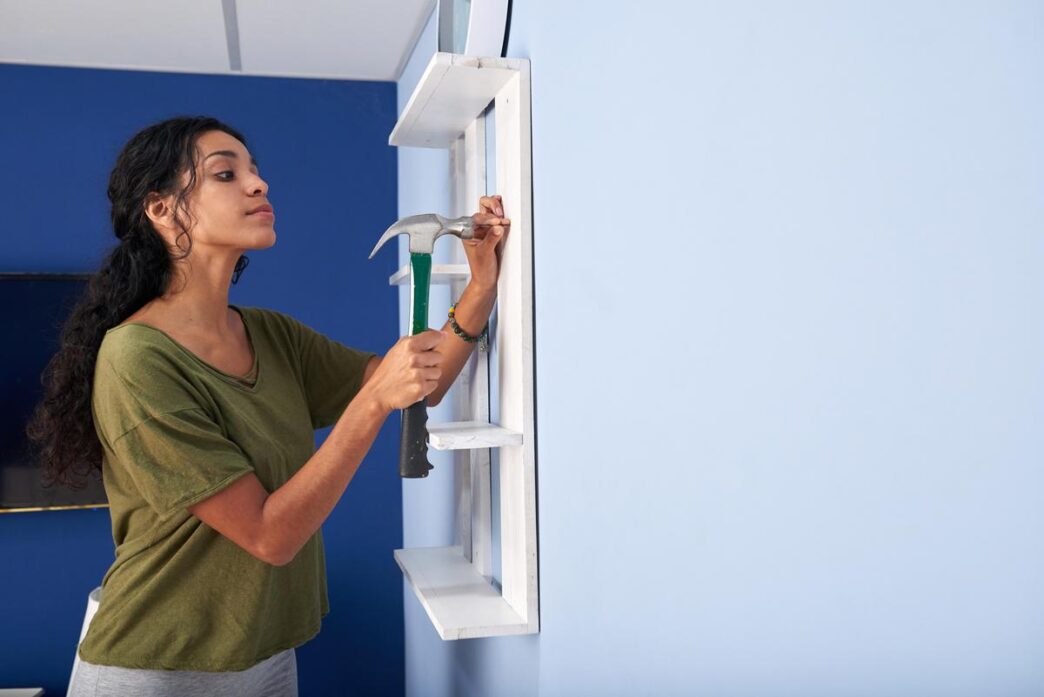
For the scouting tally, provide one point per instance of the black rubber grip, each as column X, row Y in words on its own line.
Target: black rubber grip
column 413, row 451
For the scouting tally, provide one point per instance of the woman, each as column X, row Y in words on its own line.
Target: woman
column 201, row 417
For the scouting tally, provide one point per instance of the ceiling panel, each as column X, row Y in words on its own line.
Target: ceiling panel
column 184, row 35
column 362, row 39
column 337, row 39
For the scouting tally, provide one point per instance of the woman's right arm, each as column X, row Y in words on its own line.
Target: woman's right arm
column 274, row 527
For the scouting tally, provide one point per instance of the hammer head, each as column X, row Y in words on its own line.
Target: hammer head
column 425, row 229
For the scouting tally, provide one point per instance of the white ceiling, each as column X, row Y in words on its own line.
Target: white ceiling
column 346, row 39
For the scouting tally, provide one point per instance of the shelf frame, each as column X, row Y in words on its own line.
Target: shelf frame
column 456, row 584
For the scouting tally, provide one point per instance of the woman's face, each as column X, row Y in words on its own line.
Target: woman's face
column 228, row 188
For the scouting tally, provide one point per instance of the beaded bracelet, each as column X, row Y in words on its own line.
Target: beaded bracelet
column 482, row 338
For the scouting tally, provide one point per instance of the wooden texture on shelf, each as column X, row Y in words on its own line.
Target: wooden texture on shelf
column 469, row 435
column 460, row 602
column 440, row 274
column 453, row 90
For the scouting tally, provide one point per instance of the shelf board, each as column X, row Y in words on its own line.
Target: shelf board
column 470, row 435
column 453, row 90
column 440, row 273
column 461, row 603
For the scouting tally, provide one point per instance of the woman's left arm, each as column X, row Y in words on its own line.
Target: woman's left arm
column 476, row 303
column 472, row 313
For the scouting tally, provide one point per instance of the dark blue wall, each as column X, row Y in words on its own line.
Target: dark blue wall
column 322, row 147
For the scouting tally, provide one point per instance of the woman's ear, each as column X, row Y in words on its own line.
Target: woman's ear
column 159, row 210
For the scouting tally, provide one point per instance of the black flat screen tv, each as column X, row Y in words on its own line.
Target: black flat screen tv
column 34, row 306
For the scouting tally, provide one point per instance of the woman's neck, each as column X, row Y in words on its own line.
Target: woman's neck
column 197, row 299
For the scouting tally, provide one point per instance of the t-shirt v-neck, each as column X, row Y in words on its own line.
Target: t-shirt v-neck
column 250, row 381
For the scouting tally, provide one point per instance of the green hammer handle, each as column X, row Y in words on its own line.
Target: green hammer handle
column 413, row 449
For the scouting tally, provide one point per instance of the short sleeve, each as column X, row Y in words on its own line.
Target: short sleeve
column 332, row 373
column 179, row 458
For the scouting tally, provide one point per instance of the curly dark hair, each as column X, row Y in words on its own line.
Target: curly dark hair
column 137, row 270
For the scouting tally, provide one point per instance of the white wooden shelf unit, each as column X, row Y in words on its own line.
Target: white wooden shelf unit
column 456, row 584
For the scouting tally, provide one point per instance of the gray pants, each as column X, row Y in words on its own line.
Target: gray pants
column 272, row 677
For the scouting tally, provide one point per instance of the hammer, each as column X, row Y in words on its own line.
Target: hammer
column 423, row 231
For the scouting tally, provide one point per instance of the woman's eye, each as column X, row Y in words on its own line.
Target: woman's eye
column 221, row 174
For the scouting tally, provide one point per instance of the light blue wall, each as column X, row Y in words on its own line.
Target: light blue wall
column 788, row 265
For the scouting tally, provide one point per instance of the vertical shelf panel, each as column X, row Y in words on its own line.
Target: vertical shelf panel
column 469, row 184
column 515, row 343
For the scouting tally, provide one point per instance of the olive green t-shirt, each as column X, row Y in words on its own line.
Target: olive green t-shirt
column 176, row 430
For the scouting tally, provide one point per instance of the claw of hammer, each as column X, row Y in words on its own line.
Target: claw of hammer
column 424, row 229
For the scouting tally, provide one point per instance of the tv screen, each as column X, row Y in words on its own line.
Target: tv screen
column 35, row 306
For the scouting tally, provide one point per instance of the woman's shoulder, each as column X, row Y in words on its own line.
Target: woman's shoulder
column 265, row 314
column 134, row 345
column 141, row 360
column 137, row 376
column 279, row 325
